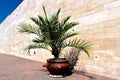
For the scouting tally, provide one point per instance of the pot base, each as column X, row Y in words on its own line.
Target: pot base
column 56, row 76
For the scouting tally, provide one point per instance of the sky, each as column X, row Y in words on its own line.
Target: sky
column 6, row 8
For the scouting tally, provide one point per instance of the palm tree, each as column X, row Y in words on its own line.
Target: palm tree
column 52, row 34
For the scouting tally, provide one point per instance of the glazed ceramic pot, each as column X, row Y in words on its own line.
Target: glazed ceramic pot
column 57, row 66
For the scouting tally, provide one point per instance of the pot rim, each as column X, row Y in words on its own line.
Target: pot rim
column 59, row 60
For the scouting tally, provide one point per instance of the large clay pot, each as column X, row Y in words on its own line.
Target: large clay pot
column 57, row 66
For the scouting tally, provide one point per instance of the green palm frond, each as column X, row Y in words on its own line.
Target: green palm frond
column 54, row 19
column 64, row 21
column 28, row 28
column 43, row 26
column 42, row 22
column 70, row 25
column 63, row 38
column 68, row 35
column 42, row 40
column 35, row 20
column 36, row 45
column 79, row 44
column 67, row 27
column 38, row 40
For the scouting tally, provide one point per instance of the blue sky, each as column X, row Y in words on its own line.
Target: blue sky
column 6, row 7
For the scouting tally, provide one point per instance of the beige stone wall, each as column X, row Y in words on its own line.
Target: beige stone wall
column 99, row 24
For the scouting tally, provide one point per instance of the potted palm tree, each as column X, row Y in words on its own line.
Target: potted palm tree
column 52, row 34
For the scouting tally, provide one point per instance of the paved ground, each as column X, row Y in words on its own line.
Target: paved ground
column 14, row 68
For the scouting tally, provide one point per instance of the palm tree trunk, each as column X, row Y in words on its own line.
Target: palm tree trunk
column 55, row 52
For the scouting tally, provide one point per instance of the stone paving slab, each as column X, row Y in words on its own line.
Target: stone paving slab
column 15, row 68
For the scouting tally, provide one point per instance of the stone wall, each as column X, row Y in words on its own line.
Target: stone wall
column 99, row 24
